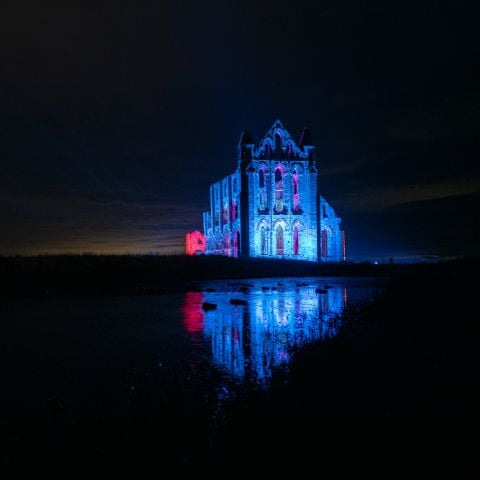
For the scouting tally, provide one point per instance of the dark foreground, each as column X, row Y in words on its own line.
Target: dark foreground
column 393, row 393
column 97, row 275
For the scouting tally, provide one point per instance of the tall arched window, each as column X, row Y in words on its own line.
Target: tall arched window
column 324, row 243
column 217, row 205
column 225, row 213
column 295, row 240
column 261, row 178
column 268, row 150
column 279, row 233
column 227, row 251
column 296, row 206
column 262, row 192
column 278, row 140
column 263, row 241
column 278, row 190
column 235, row 244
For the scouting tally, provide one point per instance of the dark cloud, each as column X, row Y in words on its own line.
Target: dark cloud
column 426, row 228
column 116, row 116
column 401, row 171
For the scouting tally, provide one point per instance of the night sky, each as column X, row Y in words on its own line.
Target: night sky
column 115, row 117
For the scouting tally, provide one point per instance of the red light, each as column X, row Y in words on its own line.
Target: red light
column 194, row 242
column 192, row 312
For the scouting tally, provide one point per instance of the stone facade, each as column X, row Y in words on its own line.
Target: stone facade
column 270, row 206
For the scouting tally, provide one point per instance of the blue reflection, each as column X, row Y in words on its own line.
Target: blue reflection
column 250, row 340
column 225, row 329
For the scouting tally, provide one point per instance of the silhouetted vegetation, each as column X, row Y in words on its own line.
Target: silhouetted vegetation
column 79, row 275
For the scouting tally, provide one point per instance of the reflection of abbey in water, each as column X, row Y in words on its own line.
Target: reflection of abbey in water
column 250, row 340
column 270, row 205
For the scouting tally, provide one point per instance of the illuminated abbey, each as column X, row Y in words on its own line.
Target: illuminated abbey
column 270, row 205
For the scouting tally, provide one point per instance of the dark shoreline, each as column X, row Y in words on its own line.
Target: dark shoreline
column 119, row 275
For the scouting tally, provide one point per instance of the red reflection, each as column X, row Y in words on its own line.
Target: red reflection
column 192, row 312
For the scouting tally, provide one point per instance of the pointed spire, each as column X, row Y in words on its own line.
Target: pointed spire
column 305, row 138
column 278, row 124
column 246, row 138
column 245, row 146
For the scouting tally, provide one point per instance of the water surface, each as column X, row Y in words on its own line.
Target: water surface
column 94, row 352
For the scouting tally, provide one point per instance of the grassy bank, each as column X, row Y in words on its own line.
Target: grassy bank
column 82, row 275
column 79, row 275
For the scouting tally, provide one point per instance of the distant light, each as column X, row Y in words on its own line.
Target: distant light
column 375, row 262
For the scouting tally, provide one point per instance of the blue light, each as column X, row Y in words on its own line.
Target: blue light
column 252, row 340
column 283, row 213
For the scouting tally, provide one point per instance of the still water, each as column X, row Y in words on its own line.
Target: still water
column 255, row 326
column 95, row 351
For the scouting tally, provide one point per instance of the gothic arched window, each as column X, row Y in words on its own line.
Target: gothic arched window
column 225, row 213
column 268, row 150
column 324, row 243
column 263, row 241
column 279, row 234
column 227, row 244
column 262, row 203
column 261, row 178
column 296, row 202
column 236, row 242
column 278, row 190
column 295, row 240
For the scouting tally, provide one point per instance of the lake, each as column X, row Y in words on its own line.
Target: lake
column 77, row 368
column 69, row 347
